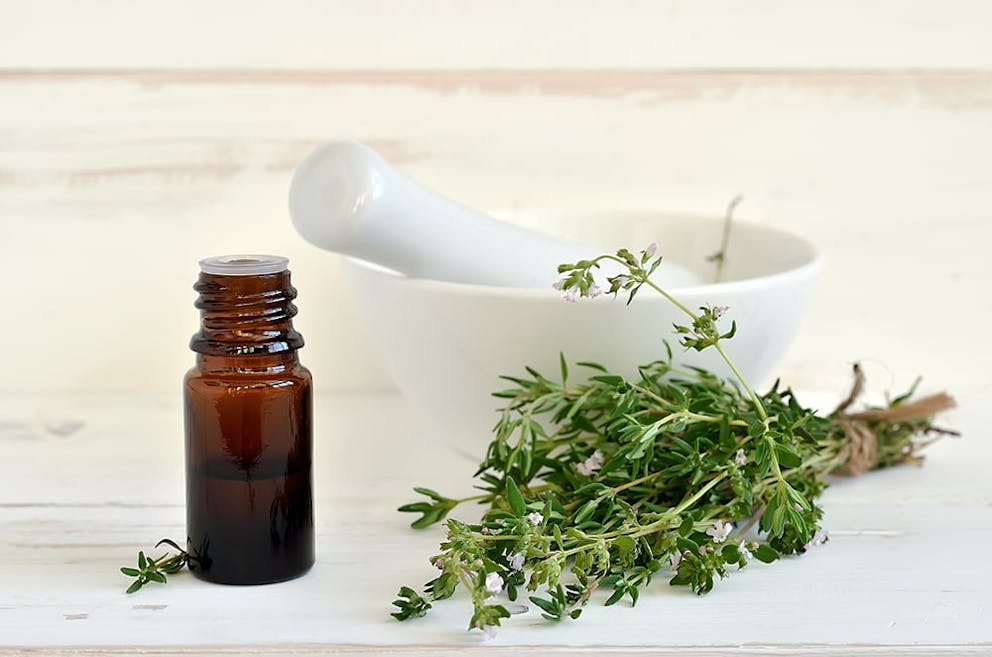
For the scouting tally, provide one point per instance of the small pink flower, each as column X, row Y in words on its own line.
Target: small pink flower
column 559, row 284
column 439, row 564
column 593, row 291
column 591, row 464
column 819, row 539
column 651, row 250
column 740, row 458
column 676, row 559
column 571, row 294
column 494, row 583
column 488, row 632
column 719, row 531
column 535, row 518
column 718, row 311
column 516, row 561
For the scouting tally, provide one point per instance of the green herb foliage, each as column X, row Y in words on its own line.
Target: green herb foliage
column 156, row 570
column 603, row 482
column 411, row 605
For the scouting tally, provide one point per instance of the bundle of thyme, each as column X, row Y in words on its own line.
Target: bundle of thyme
column 608, row 482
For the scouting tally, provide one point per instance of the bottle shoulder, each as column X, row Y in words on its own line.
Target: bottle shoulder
column 234, row 373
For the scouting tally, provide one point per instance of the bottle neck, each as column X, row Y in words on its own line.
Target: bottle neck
column 246, row 316
column 279, row 363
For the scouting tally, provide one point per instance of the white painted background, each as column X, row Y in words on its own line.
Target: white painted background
column 136, row 137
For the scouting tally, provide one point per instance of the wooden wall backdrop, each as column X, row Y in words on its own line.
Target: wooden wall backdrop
column 136, row 137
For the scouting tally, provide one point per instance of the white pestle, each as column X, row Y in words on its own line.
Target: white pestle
column 345, row 198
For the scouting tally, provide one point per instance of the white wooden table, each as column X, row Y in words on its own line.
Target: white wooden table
column 89, row 479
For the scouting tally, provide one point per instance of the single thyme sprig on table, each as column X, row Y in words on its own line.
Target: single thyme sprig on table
column 156, row 570
column 605, row 483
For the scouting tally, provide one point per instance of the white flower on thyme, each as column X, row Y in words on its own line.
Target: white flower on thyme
column 494, row 583
column 718, row 311
column 571, row 294
column 740, row 458
column 593, row 291
column 746, row 553
column 676, row 559
column 535, row 518
column 819, row 539
column 591, row 464
column 720, row 531
column 488, row 632
column 651, row 250
column 516, row 561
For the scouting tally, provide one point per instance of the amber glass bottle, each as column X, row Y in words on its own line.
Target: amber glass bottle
column 249, row 499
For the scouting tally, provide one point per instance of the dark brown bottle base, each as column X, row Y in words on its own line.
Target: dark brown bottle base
column 250, row 526
column 240, row 582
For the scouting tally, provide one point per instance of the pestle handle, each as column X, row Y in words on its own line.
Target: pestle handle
column 345, row 198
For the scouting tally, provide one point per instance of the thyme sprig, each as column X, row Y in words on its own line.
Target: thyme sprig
column 156, row 570
column 608, row 482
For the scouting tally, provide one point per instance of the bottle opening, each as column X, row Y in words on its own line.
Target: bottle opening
column 244, row 265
